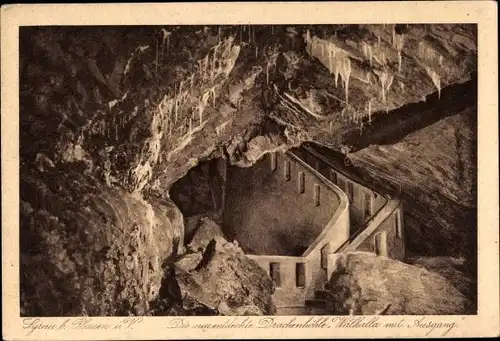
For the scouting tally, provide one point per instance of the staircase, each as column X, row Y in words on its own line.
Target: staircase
column 319, row 304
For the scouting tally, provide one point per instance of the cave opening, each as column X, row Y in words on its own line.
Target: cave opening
column 269, row 208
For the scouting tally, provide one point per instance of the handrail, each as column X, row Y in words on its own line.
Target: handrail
column 367, row 231
column 384, row 195
column 362, row 228
column 344, row 173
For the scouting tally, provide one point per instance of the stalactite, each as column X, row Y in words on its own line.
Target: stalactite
column 256, row 52
column 213, row 96
column 176, row 108
column 383, row 78
column 398, row 43
column 337, row 70
column 436, row 80
column 393, row 35
column 200, row 68
column 345, row 73
column 181, row 84
column 267, row 72
column 191, row 83
column 166, row 36
column 156, row 64
column 370, row 53
column 200, row 114
column 370, row 111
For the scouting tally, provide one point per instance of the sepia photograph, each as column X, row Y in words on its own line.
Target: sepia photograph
column 246, row 170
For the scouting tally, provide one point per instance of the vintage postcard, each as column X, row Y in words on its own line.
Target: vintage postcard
column 250, row 170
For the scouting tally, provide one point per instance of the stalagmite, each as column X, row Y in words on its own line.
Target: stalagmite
column 256, row 51
column 190, row 125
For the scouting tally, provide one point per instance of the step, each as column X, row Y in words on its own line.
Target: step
column 316, row 303
column 321, row 294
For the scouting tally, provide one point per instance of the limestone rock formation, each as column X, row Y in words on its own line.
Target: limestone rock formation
column 435, row 171
column 223, row 281
column 456, row 270
column 366, row 284
column 88, row 249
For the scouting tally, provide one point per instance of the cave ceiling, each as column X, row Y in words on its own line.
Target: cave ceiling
column 142, row 105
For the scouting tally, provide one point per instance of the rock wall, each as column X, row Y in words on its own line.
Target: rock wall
column 89, row 249
column 436, row 170
column 365, row 284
